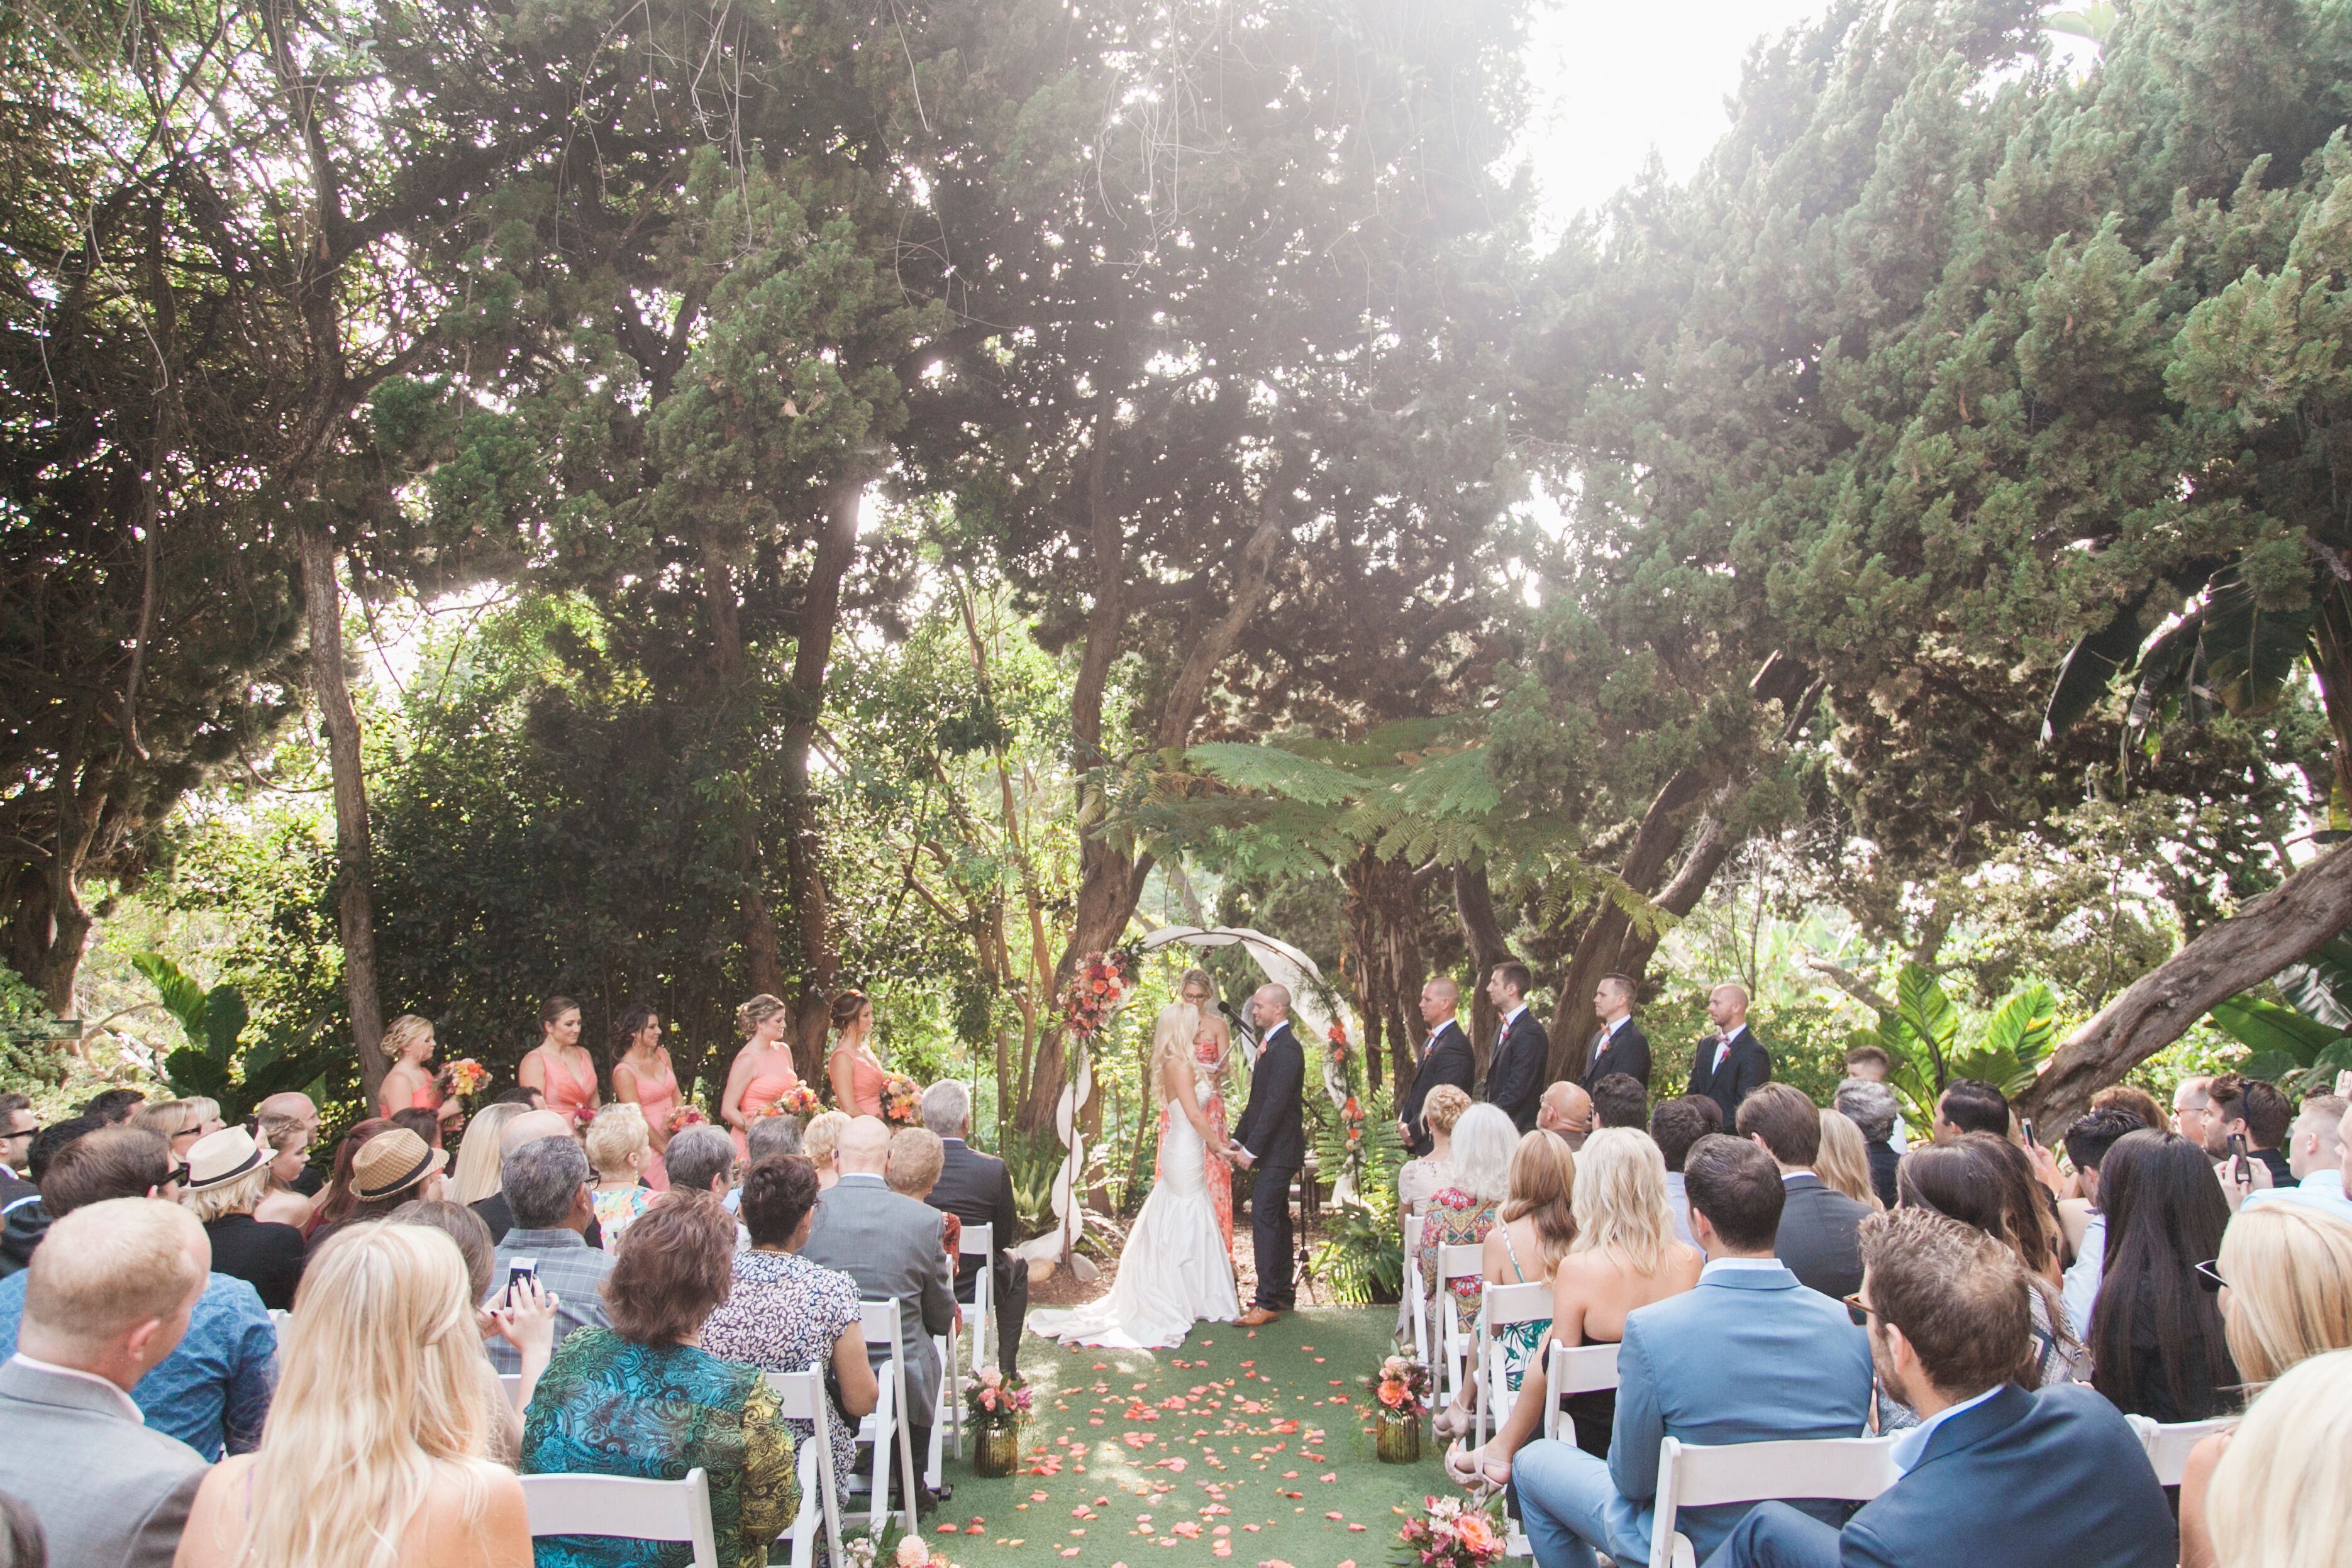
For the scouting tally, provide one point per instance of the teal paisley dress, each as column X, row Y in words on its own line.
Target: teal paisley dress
column 610, row 1406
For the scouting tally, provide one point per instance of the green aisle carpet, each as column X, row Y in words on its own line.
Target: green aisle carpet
column 1242, row 1447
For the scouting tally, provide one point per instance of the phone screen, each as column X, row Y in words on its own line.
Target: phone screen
column 518, row 1271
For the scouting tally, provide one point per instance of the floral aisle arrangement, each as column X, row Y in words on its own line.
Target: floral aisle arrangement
column 1401, row 1389
column 1097, row 991
column 902, row 1101
column 914, row 1551
column 1452, row 1533
column 997, row 1410
column 800, row 1100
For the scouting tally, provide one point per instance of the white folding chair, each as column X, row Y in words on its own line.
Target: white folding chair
column 278, row 1319
column 886, row 1428
column 801, row 1396
column 1576, row 1369
column 1455, row 1342
column 624, row 1507
column 1698, row 1475
column 947, row 1410
column 1499, row 1307
column 2167, row 1444
column 1416, row 1292
column 980, row 1241
column 512, row 1383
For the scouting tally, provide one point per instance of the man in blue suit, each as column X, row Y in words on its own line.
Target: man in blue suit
column 1750, row 1356
column 1992, row 1474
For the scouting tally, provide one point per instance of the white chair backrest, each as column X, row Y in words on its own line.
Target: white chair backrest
column 1413, row 1237
column 882, row 1322
column 2167, row 1444
column 512, row 1383
column 1459, row 1263
column 1505, row 1305
column 978, row 1241
column 622, row 1506
column 800, row 1397
column 1853, row 1469
column 1581, row 1368
column 279, row 1318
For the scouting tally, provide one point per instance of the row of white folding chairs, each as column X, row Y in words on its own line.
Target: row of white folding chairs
column 980, row 1241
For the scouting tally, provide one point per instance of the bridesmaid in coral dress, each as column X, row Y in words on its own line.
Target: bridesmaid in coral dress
column 408, row 1083
column 853, row 1068
column 563, row 1073
column 762, row 1069
column 642, row 1075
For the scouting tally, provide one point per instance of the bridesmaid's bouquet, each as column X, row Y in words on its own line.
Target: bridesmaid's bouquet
column 800, row 1100
column 1453, row 1534
column 902, row 1100
column 686, row 1114
column 467, row 1077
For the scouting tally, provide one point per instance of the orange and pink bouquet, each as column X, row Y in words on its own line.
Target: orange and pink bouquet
column 994, row 1402
column 800, row 1100
column 467, row 1077
column 1102, row 982
column 902, row 1100
column 687, row 1114
column 1401, row 1388
column 1452, row 1533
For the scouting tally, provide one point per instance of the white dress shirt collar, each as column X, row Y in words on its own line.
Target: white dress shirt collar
column 1513, row 1016
column 1911, row 1446
column 129, row 1405
column 1729, row 1265
column 1800, row 1170
column 861, row 1176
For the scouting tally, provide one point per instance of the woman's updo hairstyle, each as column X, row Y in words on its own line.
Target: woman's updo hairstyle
column 400, row 1034
column 633, row 1019
column 846, row 1006
column 756, row 1011
column 555, row 1008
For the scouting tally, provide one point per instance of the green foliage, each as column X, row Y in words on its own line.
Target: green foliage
column 1932, row 1044
column 218, row 1062
column 1360, row 1257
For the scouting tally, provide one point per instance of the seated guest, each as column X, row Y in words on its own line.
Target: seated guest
column 2278, row 1493
column 2134, row 1100
column 546, row 1187
column 1970, row 1105
column 474, row 1174
column 28, row 1218
column 107, row 1300
column 1624, row 1257
column 1484, row 1142
column 527, row 1127
column 889, row 1244
column 1992, row 1474
column 376, row 1457
column 643, row 1398
column 286, row 1147
column 2314, row 1156
column 917, row 1155
column 2087, row 1143
column 1618, row 1100
column 707, row 1169
column 425, row 1124
column 2257, row 1112
column 619, row 1143
column 1817, row 1233
column 1985, row 1183
column 819, row 1139
column 1750, row 1355
column 228, row 1174
column 1842, row 1161
column 1530, row 1236
column 1871, row 1106
column 2285, row 1284
column 293, row 1107
column 17, row 1124
column 786, row 1314
column 181, row 1121
column 2156, row 1347
column 525, row 1318
column 335, row 1200
column 1423, row 1178
column 212, row 1392
column 768, row 1138
column 1674, row 1126
column 978, row 1188
column 110, row 1107
column 1566, row 1110
column 388, row 1170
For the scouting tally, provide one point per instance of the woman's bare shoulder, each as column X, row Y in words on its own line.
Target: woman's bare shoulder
column 474, row 1514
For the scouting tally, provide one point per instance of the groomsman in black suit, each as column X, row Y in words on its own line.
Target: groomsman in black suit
column 1515, row 1077
column 1272, row 1141
column 1621, row 1045
column 1730, row 1062
column 1445, row 1059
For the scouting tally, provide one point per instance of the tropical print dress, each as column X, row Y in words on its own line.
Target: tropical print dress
column 610, row 1406
column 1455, row 1218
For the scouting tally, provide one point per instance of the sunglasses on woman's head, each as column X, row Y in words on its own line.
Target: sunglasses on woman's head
column 2208, row 1274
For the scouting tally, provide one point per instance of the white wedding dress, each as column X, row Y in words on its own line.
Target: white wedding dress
column 1174, row 1270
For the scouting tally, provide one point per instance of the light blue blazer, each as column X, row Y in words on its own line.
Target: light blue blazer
column 1748, row 1356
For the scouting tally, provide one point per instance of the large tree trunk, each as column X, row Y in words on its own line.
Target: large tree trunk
column 763, row 957
column 1482, row 932
column 2264, row 936
column 322, row 602
column 805, row 846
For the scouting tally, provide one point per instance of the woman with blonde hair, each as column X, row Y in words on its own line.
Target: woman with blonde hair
column 1432, row 1173
column 762, row 1070
column 181, row 1121
column 854, row 1071
column 1624, row 1257
column 2285, row 1281
column 1536, row 1229
column 229, row 1174
column 287, row 1141
column 475, row 1176
column 1460, row 1215
column 408, row 1046
column 618, row 1146
column 1842, row 1161
column 819, row 1139
column 374, row 1453
column 2281, row 1493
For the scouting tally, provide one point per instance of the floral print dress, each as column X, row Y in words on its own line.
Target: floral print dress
column 784, row 1314
column 1455, row 1218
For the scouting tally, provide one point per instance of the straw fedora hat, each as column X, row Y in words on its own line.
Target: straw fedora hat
column 391, row 1163
column 218, row 1158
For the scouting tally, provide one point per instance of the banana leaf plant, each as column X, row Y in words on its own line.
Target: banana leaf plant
column 1930, row 1043
column 2303, row 1045
column 218, row 1062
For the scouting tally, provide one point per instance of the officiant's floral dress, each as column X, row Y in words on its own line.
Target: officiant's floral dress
column 1219, row 1170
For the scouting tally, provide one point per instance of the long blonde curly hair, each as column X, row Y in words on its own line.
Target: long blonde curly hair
column 1172, row 1034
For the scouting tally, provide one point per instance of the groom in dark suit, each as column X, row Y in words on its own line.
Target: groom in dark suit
column 1272, row 1141
column 1515, row 1076
column 1445, row 1059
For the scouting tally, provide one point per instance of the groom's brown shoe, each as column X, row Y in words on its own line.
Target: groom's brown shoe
column 1257, row 1317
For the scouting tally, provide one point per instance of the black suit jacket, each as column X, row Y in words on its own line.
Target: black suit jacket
column 1628, row 1051
column 1743, row 1069
column 1820, row 1237
column 1271, row 1128
column 1515, row 1078
column 978, row 1189
column 500, row 1219
column 1447, row 1060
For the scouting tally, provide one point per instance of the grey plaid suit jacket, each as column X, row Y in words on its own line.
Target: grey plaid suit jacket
column 890, row 1244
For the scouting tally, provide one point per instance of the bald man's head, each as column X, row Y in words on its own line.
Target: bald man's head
column 531, row 1126
column 1440, row 999
column 1727, row 1005
column 1566, row 1109
column 864, row 1148
column 294, row 1106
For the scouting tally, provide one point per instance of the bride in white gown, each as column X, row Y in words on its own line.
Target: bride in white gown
column 1176, row 1269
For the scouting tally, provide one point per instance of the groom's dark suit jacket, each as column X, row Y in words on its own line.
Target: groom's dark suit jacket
column 1271, row 1128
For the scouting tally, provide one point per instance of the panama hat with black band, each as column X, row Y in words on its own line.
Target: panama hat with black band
column 218, row 1158
column 391, row 1163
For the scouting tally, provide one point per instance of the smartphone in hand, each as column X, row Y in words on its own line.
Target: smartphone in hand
column 2239, row 1171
